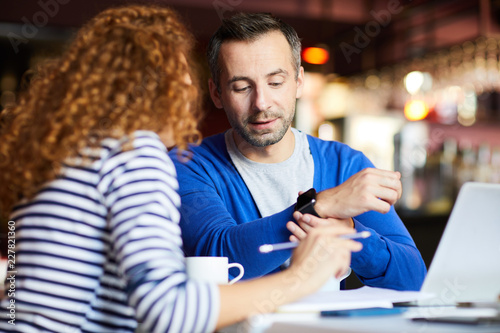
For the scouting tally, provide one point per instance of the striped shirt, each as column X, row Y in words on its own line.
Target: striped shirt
column 99, row 249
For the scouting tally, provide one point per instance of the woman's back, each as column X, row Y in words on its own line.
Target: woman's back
column 88, row 241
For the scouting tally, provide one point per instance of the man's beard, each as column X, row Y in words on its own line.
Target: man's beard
column 264, row 139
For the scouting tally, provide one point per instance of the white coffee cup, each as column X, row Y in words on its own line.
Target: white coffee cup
column 212, row 269
column 333, row 284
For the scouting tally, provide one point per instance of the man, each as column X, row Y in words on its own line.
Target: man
column 239, row 188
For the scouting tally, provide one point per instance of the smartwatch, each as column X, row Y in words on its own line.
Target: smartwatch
column 306, row 201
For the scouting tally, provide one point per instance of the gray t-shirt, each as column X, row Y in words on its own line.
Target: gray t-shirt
column 275, row 186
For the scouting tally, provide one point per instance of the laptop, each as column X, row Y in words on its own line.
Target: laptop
column 466, row 265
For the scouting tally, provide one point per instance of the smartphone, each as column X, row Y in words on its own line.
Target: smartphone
column 467, row 320
column 363, row 312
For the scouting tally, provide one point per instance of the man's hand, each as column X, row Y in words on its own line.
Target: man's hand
column 369, row 189
column 306, row 222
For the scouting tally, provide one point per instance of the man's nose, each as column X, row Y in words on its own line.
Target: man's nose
column 261, row 99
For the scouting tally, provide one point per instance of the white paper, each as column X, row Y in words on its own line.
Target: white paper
column 365, row 297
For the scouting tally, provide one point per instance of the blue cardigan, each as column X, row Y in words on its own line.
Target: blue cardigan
column 220, row 218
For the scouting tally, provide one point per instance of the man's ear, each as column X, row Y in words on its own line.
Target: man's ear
column 214, row 94
column 300, row 82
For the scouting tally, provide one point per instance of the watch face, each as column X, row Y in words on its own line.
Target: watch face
column 306, row 201
column 306, row 198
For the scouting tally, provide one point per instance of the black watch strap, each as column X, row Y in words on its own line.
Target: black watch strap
column 306, row 201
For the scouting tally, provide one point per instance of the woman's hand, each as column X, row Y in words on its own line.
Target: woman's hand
column 323, row 254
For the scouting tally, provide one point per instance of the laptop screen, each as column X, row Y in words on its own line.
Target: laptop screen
column 466, row 265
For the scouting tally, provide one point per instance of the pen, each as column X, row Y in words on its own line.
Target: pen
column 491, row 305
column 266, row 248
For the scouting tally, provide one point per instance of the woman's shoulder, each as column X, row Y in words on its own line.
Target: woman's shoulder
column 140, row 148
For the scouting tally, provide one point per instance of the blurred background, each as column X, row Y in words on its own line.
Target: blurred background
column 413, row 84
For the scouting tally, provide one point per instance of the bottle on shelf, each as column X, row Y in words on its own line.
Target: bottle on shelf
column 466, row 165
column 482, row 172
column 495, row 165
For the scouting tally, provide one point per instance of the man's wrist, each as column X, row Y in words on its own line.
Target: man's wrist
column 319, row 207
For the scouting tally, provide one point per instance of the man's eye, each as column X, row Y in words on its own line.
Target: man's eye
column 241, row 89
column 275, row 84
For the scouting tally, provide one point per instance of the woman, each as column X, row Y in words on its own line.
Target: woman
column 98, row 247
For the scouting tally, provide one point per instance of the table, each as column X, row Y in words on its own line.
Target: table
column 310, row 322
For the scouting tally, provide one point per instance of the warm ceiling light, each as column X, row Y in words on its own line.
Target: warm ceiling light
column 315, row 55
column 417, row 81
column 414, row 81
column 416, row 110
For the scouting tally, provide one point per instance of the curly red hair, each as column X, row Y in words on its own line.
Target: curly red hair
column 124, row 71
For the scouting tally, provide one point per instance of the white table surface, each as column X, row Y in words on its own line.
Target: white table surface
column 301, row 323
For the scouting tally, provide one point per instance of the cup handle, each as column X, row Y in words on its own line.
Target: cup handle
column 346, row 274
column 242, row 271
